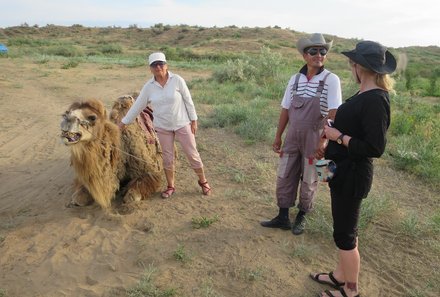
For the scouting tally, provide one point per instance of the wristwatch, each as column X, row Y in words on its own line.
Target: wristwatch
column 339, row 139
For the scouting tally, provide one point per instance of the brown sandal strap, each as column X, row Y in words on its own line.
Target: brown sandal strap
column 334, row 280
column 205, row 187
column 168, row 192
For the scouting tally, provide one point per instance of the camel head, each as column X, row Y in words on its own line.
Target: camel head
column 120, row 108
column 83, row 122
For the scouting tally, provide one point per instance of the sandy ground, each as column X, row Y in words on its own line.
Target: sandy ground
column 49, row 250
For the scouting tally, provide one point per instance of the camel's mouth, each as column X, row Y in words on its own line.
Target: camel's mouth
column 70, row 137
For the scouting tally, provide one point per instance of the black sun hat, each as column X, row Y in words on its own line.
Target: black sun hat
column 374, row 56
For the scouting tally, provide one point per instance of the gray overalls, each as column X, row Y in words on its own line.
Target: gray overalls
column 301, row 141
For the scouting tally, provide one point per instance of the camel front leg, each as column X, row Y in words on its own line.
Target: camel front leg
column 80, row 196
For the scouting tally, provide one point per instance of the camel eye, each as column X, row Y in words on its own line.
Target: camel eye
column 91, row 118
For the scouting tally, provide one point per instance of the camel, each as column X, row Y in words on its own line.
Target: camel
column 107, row 161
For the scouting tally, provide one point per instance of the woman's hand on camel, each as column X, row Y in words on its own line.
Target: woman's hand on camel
column 121, row 126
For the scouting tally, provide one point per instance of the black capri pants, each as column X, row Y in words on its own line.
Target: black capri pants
column 345, row 212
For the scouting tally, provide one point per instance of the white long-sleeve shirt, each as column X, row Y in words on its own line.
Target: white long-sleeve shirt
column 173, row 107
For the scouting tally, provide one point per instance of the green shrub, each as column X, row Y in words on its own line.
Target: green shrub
column 415, row 138
column 401, row 124
column 264, row 68
column 64, row 51
column 235, row 71
column 24, row 41
column 229, row 115
column 110, row 48
column 255, row 130
column 71, row 63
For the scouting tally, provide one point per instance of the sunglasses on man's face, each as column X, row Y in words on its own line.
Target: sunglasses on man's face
column 157, row 63
column 313, row 51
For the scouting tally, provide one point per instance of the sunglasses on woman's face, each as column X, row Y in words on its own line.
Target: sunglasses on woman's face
column 313, row 51
column 157, row 63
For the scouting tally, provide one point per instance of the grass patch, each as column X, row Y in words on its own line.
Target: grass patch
column 320, row 221
column 203, row 222
column 42, row 59
column 146, row 287
column 207, row 289
column 371, row 208
column 254, row 121
column 180, row 254
column 64, row 51
column 434, row 222
column 111, row 48
column 304, row 252
column 236, row 175
column 415, row 293
column 415, row 138
column 410, row 225
column 252, row 274
column 71, row 63
column 237, row 194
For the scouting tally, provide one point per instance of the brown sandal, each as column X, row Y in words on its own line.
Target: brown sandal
column 168, row 192
column 334, row 283
column 205, row 187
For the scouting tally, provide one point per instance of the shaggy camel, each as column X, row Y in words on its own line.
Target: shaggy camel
column 105, row 159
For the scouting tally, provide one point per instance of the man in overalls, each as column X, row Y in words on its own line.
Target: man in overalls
column 312, row 96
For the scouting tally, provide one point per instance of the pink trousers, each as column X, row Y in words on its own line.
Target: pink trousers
column 187, row 141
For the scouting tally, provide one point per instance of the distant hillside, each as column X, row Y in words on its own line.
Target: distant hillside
column 202, row 41
column 219, row 43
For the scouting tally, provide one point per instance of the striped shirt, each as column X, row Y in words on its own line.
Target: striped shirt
column 331, row 96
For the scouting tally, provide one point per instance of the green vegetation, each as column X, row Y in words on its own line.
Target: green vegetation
column 434, row 222
column 203, row 222
column 253, row 274
column 146, row 287
column 246, row 86
column 180, row 254
column 410, row 225
column 71, row 63
column 206, row 289
column 304, row 251
column 373, row 208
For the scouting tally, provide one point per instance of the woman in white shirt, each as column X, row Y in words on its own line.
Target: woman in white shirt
column 175, row 118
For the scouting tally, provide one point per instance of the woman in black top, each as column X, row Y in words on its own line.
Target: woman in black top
column 357, row 136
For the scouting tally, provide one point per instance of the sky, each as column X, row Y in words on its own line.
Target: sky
column 394, row 23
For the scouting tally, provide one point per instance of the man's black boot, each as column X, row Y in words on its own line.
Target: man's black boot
column 277, row 222
column 299, row 224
